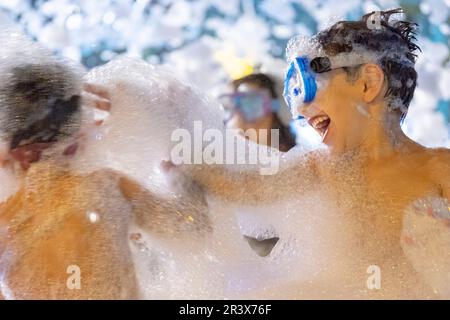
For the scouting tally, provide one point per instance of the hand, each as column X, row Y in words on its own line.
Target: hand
column 172, row 173
column 97, row 97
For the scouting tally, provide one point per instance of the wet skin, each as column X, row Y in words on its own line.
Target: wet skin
column 59, row 218
column 47, row 226
column 371, row 171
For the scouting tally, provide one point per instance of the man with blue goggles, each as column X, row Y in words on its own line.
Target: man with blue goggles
column 391, row 194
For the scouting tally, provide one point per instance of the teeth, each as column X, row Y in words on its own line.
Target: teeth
column 315, row 123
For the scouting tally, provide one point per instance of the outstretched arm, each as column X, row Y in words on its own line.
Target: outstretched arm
column 246, row 185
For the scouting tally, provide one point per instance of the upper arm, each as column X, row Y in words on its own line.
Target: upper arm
column 130, row 189
column 188, row 212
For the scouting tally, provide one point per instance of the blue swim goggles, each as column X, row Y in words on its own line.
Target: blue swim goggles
column 300, row 85
column 252, row 106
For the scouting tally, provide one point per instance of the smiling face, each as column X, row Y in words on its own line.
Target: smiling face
column 355, row 112
column 340, row 112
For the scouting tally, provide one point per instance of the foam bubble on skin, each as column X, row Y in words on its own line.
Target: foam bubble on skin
column 325, row 236
column 106, row 249
column 148, row 104
column 311, row 257
column 362, row 110
column 426, row 239
column 169, row 270
column 303, row 252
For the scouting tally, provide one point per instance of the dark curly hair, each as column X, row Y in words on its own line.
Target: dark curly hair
column 393, row 41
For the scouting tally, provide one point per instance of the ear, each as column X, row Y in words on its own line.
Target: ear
column 373, row 80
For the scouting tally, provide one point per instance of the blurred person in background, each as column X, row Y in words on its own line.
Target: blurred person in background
column 254, row 104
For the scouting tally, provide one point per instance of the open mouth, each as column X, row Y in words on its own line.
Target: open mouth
column 320, row 123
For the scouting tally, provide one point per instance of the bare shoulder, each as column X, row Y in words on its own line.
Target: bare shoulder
column 440, row 158
column 443, row 154
column 439, row 168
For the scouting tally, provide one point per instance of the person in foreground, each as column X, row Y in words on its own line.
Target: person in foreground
column 353, row 82
column 64, row 234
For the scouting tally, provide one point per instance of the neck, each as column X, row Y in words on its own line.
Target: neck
column 384, row 136
column 377, row 135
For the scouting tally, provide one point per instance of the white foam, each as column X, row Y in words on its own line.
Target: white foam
column 149, row 103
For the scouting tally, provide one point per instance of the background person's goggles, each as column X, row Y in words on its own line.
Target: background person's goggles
column 251, row 105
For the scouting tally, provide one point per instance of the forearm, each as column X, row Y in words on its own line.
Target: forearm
column 247, row 185
column 174, row 215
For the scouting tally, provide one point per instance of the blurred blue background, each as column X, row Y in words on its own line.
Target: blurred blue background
column 208, row 42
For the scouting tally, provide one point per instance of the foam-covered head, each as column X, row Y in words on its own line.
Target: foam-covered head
column 39, row 94
column 356, row 65
column 386, row 41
